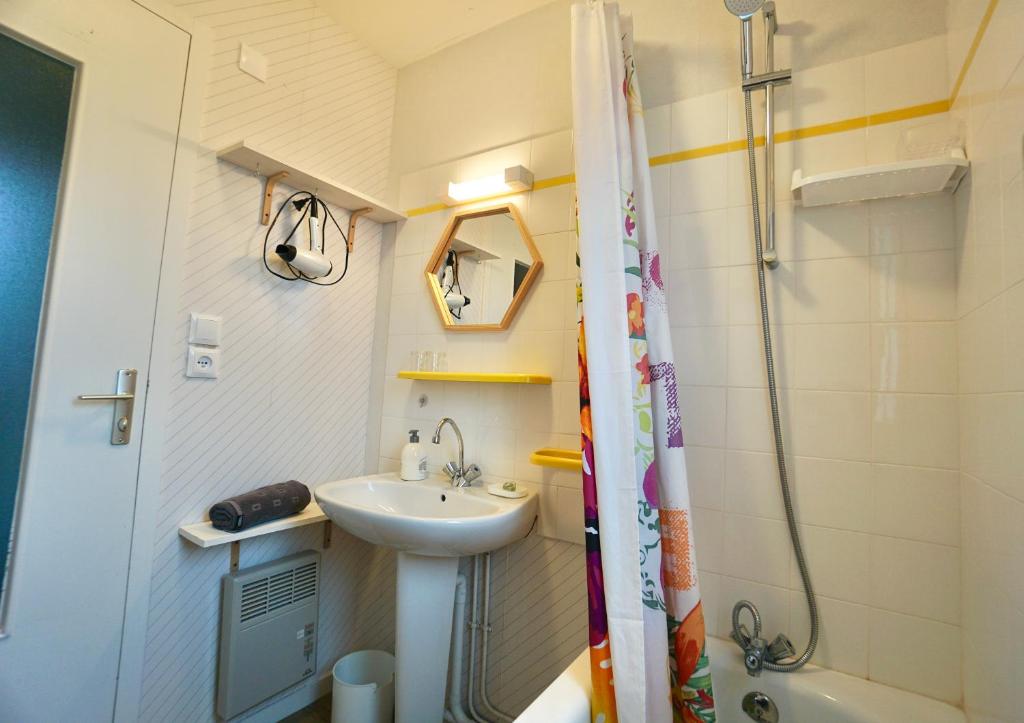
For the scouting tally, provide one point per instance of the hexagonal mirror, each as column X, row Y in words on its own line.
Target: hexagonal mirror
column 482, row 268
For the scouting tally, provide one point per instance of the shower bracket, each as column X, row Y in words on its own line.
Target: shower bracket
column 763, row 80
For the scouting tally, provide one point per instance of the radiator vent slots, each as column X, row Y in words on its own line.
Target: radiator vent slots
column 269, row 594
column 305, row 582
column 254, row 600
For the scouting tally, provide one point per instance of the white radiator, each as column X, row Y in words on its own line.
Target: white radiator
column 268, row 630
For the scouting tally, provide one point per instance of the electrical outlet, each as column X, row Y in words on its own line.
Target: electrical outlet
column 203, row 362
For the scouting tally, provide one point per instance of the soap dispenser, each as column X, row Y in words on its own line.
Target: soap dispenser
column 414, row 458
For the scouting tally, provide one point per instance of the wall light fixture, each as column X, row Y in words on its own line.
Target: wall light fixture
column 513, row 180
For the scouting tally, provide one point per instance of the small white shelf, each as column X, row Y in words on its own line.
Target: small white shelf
column 478, row 253
column 247, row 156
column 886, row 180
column 204, row 534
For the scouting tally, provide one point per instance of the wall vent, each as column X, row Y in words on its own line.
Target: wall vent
column 268, row 630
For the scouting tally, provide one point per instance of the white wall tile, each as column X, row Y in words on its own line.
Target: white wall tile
column 699, row 121
column 915, row 429
column 916, row 578
column 700, row 354
column 839, row 563
column 700, row 239
column 831, row 357
column 914, row 357
column 748, row 420
column 552, row 209
column 705, row 476
column 832, row 493
column 745, row 363
column 913, row 287
column 708, row 538
column 756, row 549
column 831, row 290
column 843, row 636
column 916, row 503
column 698, row 297
column 921, row 76
column 983, row 362
column 752, row 485
column 551, row 155
column 846, row 436
column 915, row 654
column 822, row 232
column 658, row 125
column 703, row 411
column 905, row 225
column 698, row 185
column 829, row 93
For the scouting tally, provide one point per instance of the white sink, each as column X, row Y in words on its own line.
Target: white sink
column 426, row 518
column 431, row 524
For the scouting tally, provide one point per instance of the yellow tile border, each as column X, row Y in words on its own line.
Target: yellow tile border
column 840, row 126
column 973, row 50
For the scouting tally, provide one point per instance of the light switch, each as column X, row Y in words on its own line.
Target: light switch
column 204, row 329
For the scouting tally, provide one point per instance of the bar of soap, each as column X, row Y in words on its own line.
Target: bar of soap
column 506, row 489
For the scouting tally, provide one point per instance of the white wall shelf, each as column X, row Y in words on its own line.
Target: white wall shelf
column 248, row 156
column 887, row 180
column 204, row 534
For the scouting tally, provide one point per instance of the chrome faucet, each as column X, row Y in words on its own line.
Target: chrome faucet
column 460, row 475
column 758, row 653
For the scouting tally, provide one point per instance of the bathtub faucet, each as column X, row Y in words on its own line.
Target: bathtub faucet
column 756, row 650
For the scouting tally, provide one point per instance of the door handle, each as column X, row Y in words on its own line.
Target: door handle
column 124, row 405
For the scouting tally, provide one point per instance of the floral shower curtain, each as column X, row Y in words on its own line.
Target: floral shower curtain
column 647, row 640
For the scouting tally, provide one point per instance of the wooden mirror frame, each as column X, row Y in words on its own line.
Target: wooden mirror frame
column 440, row 251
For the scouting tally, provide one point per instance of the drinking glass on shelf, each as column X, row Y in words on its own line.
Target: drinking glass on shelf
column 425, row 361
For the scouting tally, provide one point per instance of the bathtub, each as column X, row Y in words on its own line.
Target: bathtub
column 813, row 695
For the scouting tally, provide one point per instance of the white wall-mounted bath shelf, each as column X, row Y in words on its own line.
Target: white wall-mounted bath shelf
column 886, row 180
column 204, row 534
column 276, row 169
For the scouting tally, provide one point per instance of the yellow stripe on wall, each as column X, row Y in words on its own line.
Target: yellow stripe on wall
column 840, row 126
column 973, row 50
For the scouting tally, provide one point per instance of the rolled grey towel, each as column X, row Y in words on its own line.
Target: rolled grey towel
column 260, row 505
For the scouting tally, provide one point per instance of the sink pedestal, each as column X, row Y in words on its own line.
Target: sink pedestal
column 423, row 634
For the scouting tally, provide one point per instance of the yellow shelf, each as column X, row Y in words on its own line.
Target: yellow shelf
column 560, row 458
column 486, row 377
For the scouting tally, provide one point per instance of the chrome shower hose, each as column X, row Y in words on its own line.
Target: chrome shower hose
column 780, row 454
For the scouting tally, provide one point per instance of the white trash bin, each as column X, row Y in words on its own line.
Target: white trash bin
column 364, row 688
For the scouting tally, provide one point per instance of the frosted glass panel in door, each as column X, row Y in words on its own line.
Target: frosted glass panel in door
column 36, row 92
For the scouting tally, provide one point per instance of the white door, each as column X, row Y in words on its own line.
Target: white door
column 68, row 568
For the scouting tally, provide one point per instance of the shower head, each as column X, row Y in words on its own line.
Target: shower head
column 743, row 9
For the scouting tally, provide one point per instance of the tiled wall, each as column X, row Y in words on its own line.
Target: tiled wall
column 327, row 104
column 864, row 312
column 539, row 592
column 990, row 310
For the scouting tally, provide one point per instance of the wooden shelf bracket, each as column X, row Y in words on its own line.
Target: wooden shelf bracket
column 353, row 217
column 268, row 194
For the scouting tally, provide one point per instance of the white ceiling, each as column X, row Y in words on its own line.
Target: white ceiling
column 404, row 31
